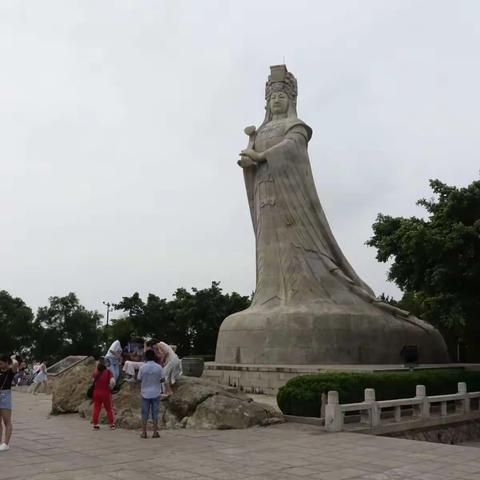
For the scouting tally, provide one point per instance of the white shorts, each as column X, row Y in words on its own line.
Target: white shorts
column 173, row 369
column 129, row 367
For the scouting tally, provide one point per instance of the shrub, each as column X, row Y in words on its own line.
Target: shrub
column 302, row 395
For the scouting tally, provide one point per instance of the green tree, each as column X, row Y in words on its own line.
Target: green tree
column 133, row 305
column 16, row 325
column 133, row 323
column 436, row 262
column 65, row 327
column 170, row 320
column 120, row 328
column 157, row 318
column 190, row 320
column 207, row 308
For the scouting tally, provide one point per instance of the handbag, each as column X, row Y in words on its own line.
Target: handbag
column 91, row 388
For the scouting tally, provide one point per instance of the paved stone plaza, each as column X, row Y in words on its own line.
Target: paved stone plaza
column 65, row 448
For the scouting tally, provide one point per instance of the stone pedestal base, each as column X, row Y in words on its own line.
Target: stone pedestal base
column 322, row 334
column 267, row 379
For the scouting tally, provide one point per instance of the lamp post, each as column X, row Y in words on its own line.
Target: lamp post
column 109, row 309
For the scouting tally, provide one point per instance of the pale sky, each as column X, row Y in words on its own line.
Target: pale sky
column 121, row 124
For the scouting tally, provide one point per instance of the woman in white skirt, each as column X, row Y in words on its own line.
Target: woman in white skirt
column 171, row 365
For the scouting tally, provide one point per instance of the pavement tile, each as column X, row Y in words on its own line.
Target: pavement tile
column 343, row 473
column 66, row 448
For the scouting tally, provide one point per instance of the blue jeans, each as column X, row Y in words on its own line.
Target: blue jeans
column 150, row 404
column 114, row 367
column 6, row 400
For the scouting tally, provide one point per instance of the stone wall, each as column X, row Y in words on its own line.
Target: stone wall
column 267, row 379
column 259, row 379
column 453, row 434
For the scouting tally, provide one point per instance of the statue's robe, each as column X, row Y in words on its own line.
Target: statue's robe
column 298, row 257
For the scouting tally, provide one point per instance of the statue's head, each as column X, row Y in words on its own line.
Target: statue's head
column 280, row 92
column 278, row 102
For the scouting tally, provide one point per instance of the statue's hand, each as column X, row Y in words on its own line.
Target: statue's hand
column 246, row 162
column 253, row 155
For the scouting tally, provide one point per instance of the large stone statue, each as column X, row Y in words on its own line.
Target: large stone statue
column 310, row 307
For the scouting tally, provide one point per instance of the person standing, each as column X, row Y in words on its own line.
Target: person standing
column 41, row 377
column 21, row 375
column 102, row 394
column 113, row 358
column 8, row 369
column 151, row 375
column 172, row 365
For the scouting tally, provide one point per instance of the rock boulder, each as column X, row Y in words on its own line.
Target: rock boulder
column 69, row 390
column 227, row 412
column 191, row 392
column 195, row 403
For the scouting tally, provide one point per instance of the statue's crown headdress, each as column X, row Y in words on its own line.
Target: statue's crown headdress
column 281, row 80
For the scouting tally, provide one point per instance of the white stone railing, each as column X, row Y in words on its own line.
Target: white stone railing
column 419, row 407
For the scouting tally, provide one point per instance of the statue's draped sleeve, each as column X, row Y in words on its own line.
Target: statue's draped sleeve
column 249, row 175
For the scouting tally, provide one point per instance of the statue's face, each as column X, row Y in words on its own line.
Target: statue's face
column 279, row 102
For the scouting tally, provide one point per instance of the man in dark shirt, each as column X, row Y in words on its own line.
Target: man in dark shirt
column 8, row 369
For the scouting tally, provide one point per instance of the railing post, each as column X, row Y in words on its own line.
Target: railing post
column 323, row 404
column 374, row 412
column 421, row 393
column 333, row 413
column 465, row 402
column 398, row 413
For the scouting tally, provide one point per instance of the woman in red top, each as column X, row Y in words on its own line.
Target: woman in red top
column 102, row 394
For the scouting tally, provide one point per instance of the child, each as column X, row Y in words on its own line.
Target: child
column 151, row 375
column 102, row 394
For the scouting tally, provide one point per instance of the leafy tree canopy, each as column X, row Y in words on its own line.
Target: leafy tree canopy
column 190, row 320
column 436, row 260
column 65, row 327
column 16, row 325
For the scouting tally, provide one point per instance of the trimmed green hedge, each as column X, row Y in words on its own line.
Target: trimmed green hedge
column 302, row 395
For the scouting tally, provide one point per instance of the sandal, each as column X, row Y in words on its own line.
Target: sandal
column 143, row 435
column 113, row 427
column 96, row 427
column 156, row 435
